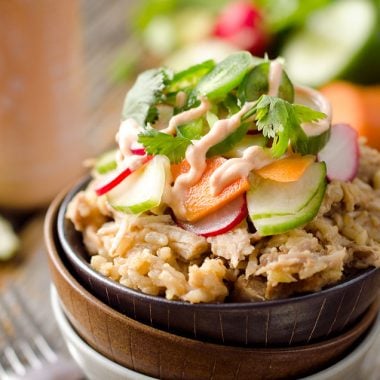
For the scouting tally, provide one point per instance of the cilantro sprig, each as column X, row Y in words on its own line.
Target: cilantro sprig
column 173, row 147
column 281, row 121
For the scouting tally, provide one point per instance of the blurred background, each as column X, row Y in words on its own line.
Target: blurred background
column 65, row 68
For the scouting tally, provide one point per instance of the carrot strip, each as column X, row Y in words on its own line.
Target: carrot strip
column 199, row 200
column 288, row 169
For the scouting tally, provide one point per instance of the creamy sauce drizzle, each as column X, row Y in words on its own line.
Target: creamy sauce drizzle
column 196, row 157
column 187, row 116
column 314, row 99
column 274, row 78
column 254, row 157
column 126, row 136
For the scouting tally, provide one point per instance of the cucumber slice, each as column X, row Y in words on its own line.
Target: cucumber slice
column 267, row 198
column 340, row 40
column 282, row 223
column 9, row 242
column 226, row 75
column 256, row 83
column 143, row 189
column 244, row 143
column 106, row 162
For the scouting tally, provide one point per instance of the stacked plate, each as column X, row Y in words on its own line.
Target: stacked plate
column 325, row 333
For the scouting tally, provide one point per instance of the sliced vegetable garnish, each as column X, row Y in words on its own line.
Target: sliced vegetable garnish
column 226, row 75
column 278, row 224
column 143, row 189
column 276, row 207
column 173, row 147
column 199, row 200
column 288, row 169
column 114, row 178
column 146, row 92
column 341, row 153
column 189, row 77
column 219, row 222
column 256, row 83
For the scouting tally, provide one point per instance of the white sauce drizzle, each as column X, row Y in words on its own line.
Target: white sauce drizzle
column 314, row 99
column 254, row 157
column 196, row 157
column 126, row 136
column 187, row 116
column 274, row 77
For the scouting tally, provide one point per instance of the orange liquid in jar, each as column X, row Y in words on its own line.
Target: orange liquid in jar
column 42, row 100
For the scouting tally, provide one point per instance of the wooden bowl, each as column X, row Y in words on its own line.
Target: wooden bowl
column 286, row 322
column 163, row 355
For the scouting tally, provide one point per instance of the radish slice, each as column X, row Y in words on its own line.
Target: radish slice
column 116, row 177
column 220, row 221
column 138, row 149
column 341, row 153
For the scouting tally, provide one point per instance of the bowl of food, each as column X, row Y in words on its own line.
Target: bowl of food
column 138, row 347
column 231, row 210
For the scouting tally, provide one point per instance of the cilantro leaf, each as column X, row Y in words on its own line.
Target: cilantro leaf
column 146, row 91
column 274, row 117
column 307, row 115
column 281, row 121
column 173, row 147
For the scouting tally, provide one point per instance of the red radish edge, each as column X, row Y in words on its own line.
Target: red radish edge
column 341, row 153
column 115, row 178
column 219, row 222
column 138, row 149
